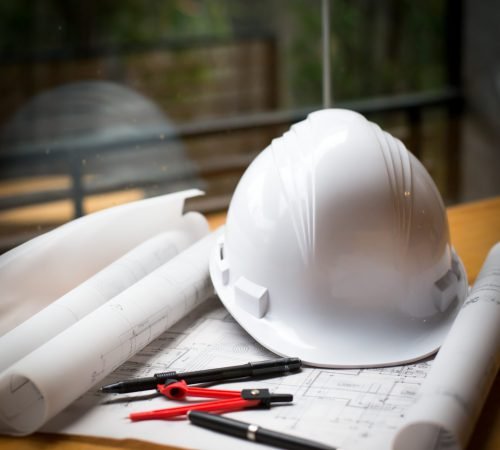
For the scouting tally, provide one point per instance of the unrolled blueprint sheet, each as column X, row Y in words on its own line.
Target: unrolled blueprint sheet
column 355, row 409
column 422, row 406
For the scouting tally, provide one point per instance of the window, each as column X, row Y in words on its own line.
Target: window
column 107, row 101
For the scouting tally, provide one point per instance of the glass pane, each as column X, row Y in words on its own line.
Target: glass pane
column 107, row 101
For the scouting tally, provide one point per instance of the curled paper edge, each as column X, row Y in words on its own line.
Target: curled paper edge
column 463, row 372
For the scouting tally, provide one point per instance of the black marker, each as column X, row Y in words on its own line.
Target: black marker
column 276, row 367
column 253, row 432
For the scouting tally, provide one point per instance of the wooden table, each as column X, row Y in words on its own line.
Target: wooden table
column 475, row 228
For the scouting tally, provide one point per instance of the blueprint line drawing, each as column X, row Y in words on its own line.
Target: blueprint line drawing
column 51, row 377
column 353, row 409
column 169, row 320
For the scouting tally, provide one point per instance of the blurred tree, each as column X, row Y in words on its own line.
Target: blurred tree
column 379, row 47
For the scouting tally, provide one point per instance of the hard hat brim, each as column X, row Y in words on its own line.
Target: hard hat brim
column 330, row 347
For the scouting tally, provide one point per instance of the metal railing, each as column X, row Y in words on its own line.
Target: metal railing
column 411, row 105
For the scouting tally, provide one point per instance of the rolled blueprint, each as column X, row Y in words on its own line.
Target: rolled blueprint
column 98, row 289
column 43, row 269
column 462, row 373
column 37, row 387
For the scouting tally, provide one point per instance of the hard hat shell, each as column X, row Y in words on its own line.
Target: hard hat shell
column 336, row 248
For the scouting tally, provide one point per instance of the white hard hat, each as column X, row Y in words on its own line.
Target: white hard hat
column 336, row 248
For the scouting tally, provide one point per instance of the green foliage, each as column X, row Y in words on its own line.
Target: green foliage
column 34, row 25
column 378, row 47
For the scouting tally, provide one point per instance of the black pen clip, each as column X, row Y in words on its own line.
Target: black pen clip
column 265, row 397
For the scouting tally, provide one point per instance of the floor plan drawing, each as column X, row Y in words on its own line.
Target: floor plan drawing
column 348, row 408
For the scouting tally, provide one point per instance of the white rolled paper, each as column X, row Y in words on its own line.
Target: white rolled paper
column 43, row 269
column 98, row 289
column 40, row 385
column 462, row 373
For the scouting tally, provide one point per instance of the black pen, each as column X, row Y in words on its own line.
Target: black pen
column 253, row 432
column 276, row 367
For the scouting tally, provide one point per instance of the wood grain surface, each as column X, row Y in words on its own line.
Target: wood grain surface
column 474, row 228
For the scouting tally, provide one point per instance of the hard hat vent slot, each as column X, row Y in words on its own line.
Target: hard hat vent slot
column 251, row 297
column 455, row 267
column 222, row 263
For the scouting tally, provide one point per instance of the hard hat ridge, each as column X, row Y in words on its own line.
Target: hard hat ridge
column 399, row 173
column 294, row 161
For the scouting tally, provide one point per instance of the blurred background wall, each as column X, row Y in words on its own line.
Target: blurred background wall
column 481, row 86
column 107, row 101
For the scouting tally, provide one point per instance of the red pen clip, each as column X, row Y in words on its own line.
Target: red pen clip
column 232, row 400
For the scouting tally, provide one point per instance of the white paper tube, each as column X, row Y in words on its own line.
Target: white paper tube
column 462, row 373
column 98, row 289
column 43, row 269
column 40, row 385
